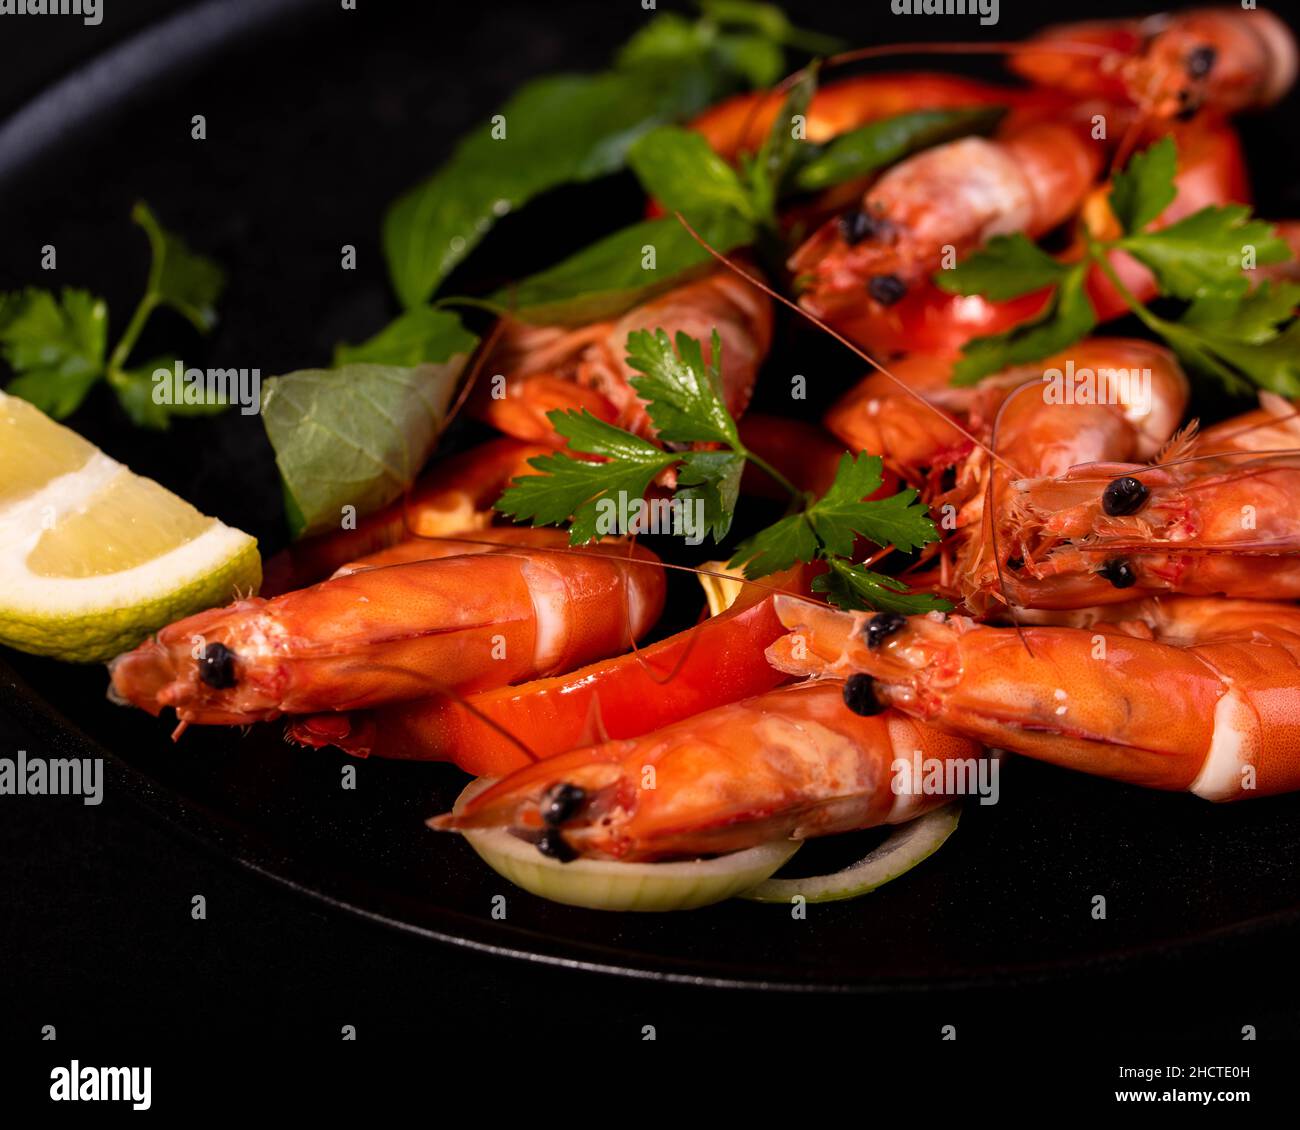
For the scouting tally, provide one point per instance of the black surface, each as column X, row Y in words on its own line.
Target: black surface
column 315, row 122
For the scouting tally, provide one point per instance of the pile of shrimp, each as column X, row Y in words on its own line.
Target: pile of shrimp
column 1122, row 580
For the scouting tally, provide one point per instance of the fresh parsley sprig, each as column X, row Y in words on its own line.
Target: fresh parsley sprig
column 1243, row 337
column 57, row 345
column 684, row 400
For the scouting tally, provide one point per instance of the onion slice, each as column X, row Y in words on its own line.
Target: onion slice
column 601, row 884
column 906, row 846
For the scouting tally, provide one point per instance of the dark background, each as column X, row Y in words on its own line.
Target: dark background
column 95, row 931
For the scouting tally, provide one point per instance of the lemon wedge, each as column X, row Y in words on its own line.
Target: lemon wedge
column 94, row 557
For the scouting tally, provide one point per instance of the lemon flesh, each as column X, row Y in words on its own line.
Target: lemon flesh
column 93, row 558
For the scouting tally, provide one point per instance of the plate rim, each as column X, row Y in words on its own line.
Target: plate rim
column 112, row 80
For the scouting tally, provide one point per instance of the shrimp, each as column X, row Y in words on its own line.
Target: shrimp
column 1107, row 532
column 741, row 124
column 549, row 367
column 454, row 496
column 1228, row 59
column 1273, row 426
column 924, row 319
column 379, row 635
column 1204, row 698
column 1102, row 399
column 954, row 196
column 719, row 660
column 916, row 432
column 792, row 763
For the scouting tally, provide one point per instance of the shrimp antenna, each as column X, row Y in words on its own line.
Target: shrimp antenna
column 297, row 728
column 997, row 47
column 990, row 516
column 467, row 385
column 1204, row 456
column 735, row 268
column 1268, row 422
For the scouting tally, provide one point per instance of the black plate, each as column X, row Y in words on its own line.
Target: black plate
column 316, row 119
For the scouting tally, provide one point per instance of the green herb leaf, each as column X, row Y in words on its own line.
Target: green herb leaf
column 772, row 23
column 414, row 338
column 680, row 170
column 777, row 154
column 855, row 587
column 1202, row 254
column 683, row 395
column 620, row 271
column 56, row 346
column 134, row 389
column 187, row 282
column 1145, row 187
column 1252, row 340
column 560, row 130
column 841, row 513
column 779, row 546
column 1006, row 267
column 1068, row 317
column 568, row 488
column 758, row 60
column 830, row 525
column 713, row 477
column 354, row 436
column 1251, row 319
column 868, row 148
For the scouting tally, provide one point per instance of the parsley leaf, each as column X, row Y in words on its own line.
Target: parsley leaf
column 778, row 547
column 1145, row 187
column 1006, row 267
column 1252, row 319
column 834, row 521
column 683, row 398
column 187, row 282
column 1068, row 317
column 58, row 346
column 852, row 587
column 55, row 345
column 1238, row 335
column 713, row 477
column 683, row 395
column 569, row 488
column 1202, row 254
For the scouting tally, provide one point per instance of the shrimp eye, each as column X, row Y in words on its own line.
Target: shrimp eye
column 886, row 289
column 1119, row 573
column 217, row 667
column 561, row 802
column 554, row 846
column 856, row 226
column 1124, row 495
column 1201, row 61
column 860, row 695
column 881, row 626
